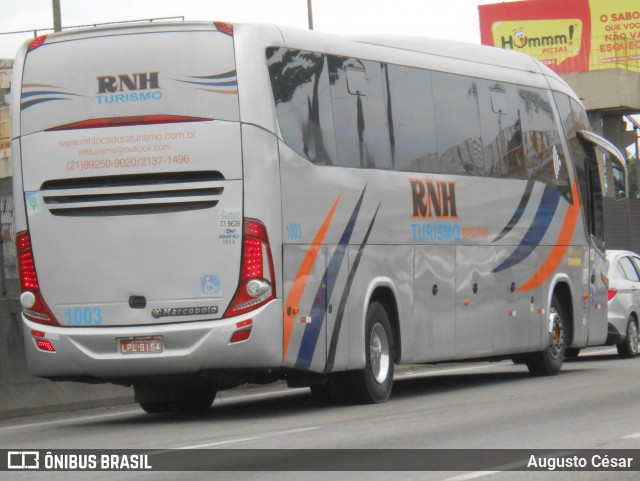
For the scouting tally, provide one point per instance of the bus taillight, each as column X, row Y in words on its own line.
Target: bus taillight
column 256, row 286
column 224, row 27
column 33, row 306
column 36, row 42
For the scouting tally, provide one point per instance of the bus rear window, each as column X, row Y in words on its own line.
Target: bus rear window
column 127, row 75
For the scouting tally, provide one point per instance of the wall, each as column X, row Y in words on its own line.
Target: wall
column 621, row 226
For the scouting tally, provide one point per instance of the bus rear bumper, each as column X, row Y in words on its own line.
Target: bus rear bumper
column 187, row 347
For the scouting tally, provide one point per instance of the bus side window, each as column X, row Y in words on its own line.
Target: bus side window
column 619, row 181
column 359, row 113
column 501, row 130
column 300, row 84
column 613, row 176
column 574, row 119
column 595, row 207
column 412, row 125
column 455, row 101
column 545, row 155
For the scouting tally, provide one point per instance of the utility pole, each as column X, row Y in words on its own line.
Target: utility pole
column 57, row 17
column 310, row 14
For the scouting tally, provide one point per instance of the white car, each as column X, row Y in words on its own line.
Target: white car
column 624, row 301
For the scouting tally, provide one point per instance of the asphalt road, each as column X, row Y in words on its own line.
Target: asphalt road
column 592, row 404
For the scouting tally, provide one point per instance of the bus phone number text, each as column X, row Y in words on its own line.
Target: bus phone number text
column 127, row 162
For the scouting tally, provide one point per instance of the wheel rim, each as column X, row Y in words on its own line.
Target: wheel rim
column 557, row 335
column 379, row 353
column 632, row 334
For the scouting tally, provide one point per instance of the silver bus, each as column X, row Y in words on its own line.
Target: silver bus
column 202, row 205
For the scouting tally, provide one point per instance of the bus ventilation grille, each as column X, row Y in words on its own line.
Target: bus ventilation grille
column 135, row 194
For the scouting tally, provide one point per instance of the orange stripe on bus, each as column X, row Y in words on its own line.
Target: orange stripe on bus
column 40, row 85
column 560, row 248
column 300, row 282
column 218, row 91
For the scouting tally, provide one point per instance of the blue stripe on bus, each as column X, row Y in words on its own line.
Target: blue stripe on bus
column 33, row 93
column 537, row 230
column 226, row 79
column 30, row 103
column 231, row 83
column 229, row 74
column 517, row 215
column 333, row 346
column 319, row 307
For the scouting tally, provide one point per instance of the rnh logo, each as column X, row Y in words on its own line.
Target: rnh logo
column 433, row 199
column 120, row 83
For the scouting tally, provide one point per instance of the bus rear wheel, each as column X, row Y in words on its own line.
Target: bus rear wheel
column 549, row 361
column 373, row 383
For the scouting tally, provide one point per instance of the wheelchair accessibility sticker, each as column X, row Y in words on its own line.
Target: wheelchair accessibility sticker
column 210, row 285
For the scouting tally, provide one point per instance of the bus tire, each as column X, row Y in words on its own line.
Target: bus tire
column 628, row 348
column 549, row 361
column 373, row 384
column 198, row 401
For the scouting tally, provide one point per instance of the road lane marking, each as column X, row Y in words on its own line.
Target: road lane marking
column 631, row 436
column 250, row 438
column 70, row 421
column 473, row 475
column 222, row 398
column 410, row 375
column 599, row 351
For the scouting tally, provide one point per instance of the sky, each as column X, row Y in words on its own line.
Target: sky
column 450, row 19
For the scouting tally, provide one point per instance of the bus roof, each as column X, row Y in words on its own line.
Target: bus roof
column 393, row 45
column 433, row 54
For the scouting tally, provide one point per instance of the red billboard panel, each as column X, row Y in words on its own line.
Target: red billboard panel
column 568, row 35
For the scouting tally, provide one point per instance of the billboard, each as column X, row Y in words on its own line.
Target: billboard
column 568, row 35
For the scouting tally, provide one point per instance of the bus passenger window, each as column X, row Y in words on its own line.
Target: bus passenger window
column 359, row 113
column 412, row 125
column 619, row 181
column 545, row 155
column 300, row 84
column 501, row 130
column 595, row 213
column 458, row 124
